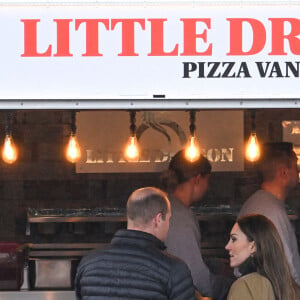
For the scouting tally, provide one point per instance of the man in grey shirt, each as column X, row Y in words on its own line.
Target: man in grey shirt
column 278, row 167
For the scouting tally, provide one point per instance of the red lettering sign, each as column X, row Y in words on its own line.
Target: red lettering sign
column 278, row 36
column 63, row 37
column 30, row 39
column 92, row 34
column 191, row 36
column 128, row 40
column 157, row 39
column 236, row 36
column 155, row 36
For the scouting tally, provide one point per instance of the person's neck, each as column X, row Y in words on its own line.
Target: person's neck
column 183, row 194
column 131, row 226
column 275, row 189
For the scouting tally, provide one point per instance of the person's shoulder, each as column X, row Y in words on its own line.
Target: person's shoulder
column 255, row 281
column 260, row 202
column 251, row 287
column 179, row 271
column 259, row 194
column 93, row 256
column 174, row 261
column 180, row 278
column 170, row 257
column 255, row 277
column 180, row 211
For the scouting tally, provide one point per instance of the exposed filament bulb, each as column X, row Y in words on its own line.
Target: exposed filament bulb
column 192, row 151
column 9, row 152
column 252, row 148
column 73, row 152
column 132, row 150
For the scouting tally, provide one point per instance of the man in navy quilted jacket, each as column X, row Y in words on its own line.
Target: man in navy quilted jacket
column 135, row 265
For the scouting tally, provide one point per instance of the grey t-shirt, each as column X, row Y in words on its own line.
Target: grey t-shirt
column 266, row 204
column 183, row 240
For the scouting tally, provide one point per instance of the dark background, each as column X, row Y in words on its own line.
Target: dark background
column 42, row 178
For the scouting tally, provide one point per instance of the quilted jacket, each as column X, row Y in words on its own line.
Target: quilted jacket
column 134, row 266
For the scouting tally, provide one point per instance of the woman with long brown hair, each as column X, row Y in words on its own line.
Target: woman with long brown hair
column 256, row 251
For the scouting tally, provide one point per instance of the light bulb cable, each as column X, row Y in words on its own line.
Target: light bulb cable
column 73, row 123
column 132, row 126
column 253, row 123
column 8, row 123
column 192, row 122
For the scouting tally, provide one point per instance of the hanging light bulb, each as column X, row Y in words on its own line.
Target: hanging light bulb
column 252, row 148
column 192, row 149
column 252, row 153
column 9, row 151
column 132, row 151
column 73, row 152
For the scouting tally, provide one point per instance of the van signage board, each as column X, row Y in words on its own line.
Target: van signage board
column 145, row 51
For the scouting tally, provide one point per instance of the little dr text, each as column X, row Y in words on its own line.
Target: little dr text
column 192, row 42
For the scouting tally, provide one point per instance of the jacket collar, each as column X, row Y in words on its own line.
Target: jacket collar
column 247, row 267
column 136, row 238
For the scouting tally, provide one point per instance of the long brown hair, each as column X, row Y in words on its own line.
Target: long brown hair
column 269, row 258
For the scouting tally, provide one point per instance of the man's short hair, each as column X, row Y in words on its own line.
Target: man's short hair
column 274, row 155
column 145, row 203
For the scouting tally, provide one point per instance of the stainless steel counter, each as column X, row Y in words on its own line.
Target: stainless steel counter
column 119, row 214
column 38, row 295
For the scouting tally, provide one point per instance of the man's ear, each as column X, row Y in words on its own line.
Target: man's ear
column 282, row 171
column 198, row 178
column 157, row 219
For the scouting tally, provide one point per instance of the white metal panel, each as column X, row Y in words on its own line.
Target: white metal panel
column 150, row 104
column 145, row 1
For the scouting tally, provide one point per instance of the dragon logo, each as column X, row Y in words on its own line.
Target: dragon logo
column 158, row 122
